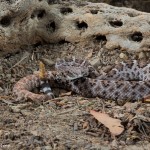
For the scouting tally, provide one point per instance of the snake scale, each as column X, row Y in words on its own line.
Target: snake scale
column 126, row 81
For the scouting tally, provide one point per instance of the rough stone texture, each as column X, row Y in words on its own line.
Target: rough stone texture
column 28, row 22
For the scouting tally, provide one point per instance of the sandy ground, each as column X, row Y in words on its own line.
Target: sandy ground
column 64, row 123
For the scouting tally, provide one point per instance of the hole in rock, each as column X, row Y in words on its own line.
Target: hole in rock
column 53, row 1
column 82, row 25
column 51, row 26
column 66, row 10
column 38, row 13
column 102, row 11
column 94, row 11
column 132, row 15
column 5, row 21
column 116, row 23
column 137, row 37
column 100, row 38
column 63, row 42
column 41, row 13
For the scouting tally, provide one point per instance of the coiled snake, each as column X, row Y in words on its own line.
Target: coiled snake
column 126, row 81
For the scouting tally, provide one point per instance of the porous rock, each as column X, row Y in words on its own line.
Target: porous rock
column 27, row 22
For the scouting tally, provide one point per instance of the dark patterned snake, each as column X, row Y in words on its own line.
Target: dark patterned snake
column 126, row 81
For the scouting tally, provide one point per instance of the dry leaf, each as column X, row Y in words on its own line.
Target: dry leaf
column 85, row 125
column 65, row 94
column 113, row 124
column 129, row 106
column 61, row 103
column 146, row 100
column 83, row 102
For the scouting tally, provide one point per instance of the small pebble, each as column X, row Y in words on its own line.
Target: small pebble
column 95, row 62
column 75, row 127
column 142, row 55
column 48, row 61
column 123, row 56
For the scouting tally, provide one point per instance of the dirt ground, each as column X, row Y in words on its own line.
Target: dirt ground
column 64, row 123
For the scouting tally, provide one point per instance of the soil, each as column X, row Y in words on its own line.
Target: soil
column 64, row 123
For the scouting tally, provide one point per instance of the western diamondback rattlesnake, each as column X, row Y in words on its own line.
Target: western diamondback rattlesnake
column 126, row 81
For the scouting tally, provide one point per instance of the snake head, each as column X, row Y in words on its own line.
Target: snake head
column 72, row 69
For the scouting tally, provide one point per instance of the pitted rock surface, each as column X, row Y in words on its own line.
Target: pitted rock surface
column 26, row 22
